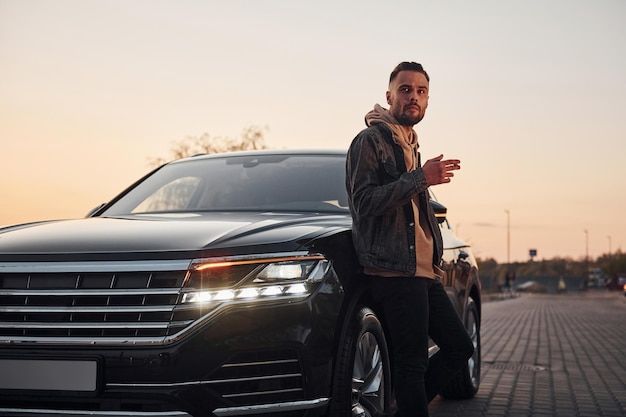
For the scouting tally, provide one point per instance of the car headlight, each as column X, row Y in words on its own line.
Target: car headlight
column 258, row 279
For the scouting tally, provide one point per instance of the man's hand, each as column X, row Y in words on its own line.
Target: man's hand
column 438, row 171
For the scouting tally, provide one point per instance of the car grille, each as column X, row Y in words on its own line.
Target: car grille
column 89, row 304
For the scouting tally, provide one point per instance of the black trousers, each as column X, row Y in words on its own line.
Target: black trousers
column 416, row 308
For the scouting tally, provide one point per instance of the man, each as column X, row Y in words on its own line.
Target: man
column 399, row 244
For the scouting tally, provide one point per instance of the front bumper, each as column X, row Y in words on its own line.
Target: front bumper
column 248, row 360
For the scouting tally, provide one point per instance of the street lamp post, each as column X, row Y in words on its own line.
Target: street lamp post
column 510, row 275
column 508, row 237
column 586, row 245
column 586, row 273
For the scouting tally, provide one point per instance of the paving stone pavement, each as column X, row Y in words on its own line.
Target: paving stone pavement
column 550, row 356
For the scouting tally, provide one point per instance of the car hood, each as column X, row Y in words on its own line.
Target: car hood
column 171, row 233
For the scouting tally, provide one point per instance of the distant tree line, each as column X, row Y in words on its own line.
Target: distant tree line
column 251, row 138
column 495, row 273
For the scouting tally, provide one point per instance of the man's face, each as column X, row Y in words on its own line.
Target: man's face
column 408, row 97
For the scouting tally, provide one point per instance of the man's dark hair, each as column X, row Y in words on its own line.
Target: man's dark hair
column 408, row 66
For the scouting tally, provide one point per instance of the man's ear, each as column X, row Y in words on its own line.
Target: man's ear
column 388, row 95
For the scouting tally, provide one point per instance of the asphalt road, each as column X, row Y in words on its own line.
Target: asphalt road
column 550, row 355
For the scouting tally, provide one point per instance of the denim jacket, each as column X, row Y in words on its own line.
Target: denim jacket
column 379, row 193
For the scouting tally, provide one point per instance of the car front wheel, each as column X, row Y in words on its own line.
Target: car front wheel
column 363, row 378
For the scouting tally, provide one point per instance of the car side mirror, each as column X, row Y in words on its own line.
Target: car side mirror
column 440, row 211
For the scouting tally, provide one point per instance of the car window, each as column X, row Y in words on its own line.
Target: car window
column 175, row 195
column 264, row 182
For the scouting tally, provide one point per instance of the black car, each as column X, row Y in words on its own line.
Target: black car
column 217, row 285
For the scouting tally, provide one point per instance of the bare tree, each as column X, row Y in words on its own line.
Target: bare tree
column 251, row 138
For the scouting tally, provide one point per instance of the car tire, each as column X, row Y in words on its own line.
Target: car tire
column 363, row 373
column 466, row 382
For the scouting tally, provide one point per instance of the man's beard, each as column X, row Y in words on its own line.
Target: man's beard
column 405, row 120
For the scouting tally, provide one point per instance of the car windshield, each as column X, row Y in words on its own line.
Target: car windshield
column 261, row 182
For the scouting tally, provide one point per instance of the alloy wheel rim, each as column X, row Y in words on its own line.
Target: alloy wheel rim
column 473, row 360
column 367, row 378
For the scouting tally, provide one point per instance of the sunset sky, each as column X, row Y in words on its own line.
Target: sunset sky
column 530, row 95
